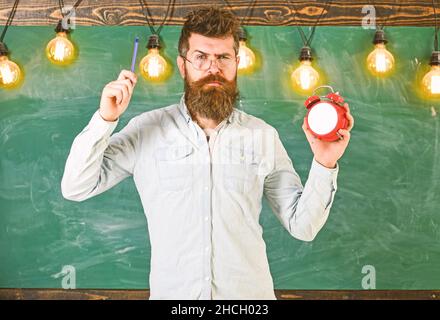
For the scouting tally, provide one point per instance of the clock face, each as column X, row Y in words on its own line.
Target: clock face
column 322, row 118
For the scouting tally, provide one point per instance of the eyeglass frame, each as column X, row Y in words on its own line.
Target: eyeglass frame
column 210, row 64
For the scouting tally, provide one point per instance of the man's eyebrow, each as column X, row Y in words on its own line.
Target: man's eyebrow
column 200, row 52
column 226, row 54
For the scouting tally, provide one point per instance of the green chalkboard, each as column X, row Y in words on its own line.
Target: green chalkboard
column 386, row 210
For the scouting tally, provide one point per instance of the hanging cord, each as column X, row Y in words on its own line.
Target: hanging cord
column 249, row 11
column 307, row 42
column 149, row 16
column 436, row 28
column 61, row 5
column 9, row 21
column 61, row 27
column 379, row 36
column 385, row 22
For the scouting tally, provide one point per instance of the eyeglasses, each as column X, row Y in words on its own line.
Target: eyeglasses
column 201, row 62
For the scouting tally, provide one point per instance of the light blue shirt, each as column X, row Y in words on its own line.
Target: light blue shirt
column 202, row 207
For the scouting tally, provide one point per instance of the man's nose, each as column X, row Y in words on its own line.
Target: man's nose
column 213, row 68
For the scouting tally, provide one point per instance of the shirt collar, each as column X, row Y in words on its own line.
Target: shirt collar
column 185, row 113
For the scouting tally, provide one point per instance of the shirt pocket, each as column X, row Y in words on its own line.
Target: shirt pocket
column 174, row 165
column 241, row 169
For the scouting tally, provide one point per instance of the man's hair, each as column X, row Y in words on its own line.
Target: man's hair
column 211, row 22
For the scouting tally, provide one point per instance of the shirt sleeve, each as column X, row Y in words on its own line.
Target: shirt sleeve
column 98, row 160
column 302, row 210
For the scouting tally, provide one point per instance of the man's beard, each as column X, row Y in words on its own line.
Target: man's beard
column 211, row 102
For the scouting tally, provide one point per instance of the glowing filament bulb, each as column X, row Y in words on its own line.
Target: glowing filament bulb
column 247, row 58
column 60, row 50
column 431, row 81
column 10, row 74
column 380, row 61
column 6, row 73
column 381, row 65
column 153, row 66
column 305, row 77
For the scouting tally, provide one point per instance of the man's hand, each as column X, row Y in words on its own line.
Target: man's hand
column 116, row 96
column 328, row 153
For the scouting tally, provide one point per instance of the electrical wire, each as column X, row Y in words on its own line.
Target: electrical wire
column 248, row 12
column 61, row 5
column 308, row 41
column 385, row 22
column 436, row 28
column 149, row 16
column 9, row 21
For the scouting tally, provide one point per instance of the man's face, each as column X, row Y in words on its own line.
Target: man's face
column 213, row 48
column 211, row 90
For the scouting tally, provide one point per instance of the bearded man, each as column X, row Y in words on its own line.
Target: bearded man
column 201, row 168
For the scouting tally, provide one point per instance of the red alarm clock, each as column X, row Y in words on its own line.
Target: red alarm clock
column 326, row 115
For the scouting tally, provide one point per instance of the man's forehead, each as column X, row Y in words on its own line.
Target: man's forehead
column 211, row 45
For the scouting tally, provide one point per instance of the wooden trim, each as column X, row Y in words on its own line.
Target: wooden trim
column 265, row 13
column 89, row 294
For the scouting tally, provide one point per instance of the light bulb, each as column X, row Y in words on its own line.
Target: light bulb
column 60, row 50
column 247, row 58
column 10, row 73
column 380, row 61
column 153, row 66
column 305, row 77
column 431, row 81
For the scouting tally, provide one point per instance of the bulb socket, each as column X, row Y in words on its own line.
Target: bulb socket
column 435, row 58
column 379, row 37
column 4, row 51
column 305, row 54
column 242, row 35
column 60, row 28
column 153, row 42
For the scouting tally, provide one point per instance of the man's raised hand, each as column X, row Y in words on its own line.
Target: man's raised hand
column 116, row 96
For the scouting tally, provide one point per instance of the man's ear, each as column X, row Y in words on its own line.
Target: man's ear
column 181, row 66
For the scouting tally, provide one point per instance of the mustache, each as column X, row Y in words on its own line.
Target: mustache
column 208, row 79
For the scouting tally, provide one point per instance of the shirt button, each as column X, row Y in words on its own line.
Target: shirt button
column 207, row 278
column 206, row 218
column 206, row 188
column 206, row 249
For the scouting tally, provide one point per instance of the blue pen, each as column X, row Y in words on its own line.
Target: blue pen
column 133, row 60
